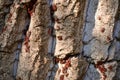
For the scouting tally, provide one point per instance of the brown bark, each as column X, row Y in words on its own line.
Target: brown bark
column 10, row 35
column 68, row 16
column 34, row 61
column 31, row 45
column 87, row 46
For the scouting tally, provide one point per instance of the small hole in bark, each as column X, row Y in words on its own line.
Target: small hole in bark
column 99, row 18
column 102, row 30
column 67, row 75
column 60, row 38
column 19, row 78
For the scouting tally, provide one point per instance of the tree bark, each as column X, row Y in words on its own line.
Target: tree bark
column 34, row 60
column 68, row 16
column 100, row 45
column 12, row 25
column 87, row 44
column 17, row 38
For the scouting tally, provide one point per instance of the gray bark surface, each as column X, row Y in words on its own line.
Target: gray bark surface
column 100, row 44
column 59, row 39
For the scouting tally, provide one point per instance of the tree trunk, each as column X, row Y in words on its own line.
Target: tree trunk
column 86, row 39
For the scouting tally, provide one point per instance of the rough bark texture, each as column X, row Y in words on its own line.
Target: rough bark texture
column 12, row 25
column 103, row 30
column 31, row 45
column 87, row 44
column 99, row 42
column 34, row 61
column 68, row 27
